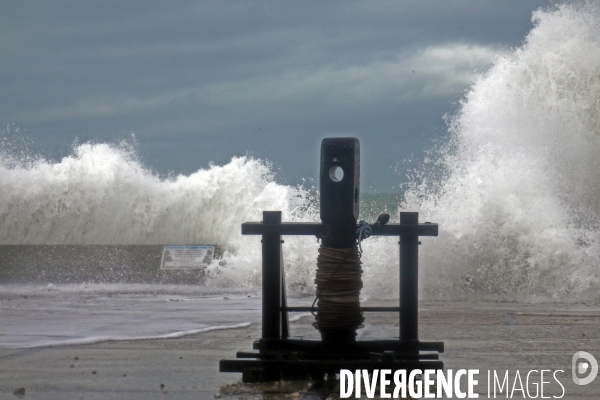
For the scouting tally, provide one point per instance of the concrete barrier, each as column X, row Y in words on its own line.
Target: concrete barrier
column 89, row 263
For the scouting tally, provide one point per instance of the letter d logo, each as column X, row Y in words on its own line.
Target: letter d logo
column 582, row 368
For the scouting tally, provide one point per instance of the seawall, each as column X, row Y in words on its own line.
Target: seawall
column 89, row 263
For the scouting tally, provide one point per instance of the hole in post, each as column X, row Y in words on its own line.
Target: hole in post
column 336, row 173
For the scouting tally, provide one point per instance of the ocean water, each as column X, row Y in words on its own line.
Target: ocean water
column 514, row 187
column 58, row 315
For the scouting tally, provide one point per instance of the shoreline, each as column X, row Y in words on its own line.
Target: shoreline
column 485, row 336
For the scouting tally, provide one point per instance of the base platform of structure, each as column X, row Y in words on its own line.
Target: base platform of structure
column 314, row 359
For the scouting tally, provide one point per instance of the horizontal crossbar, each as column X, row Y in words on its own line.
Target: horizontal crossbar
column 312, row 228
column 357, row 347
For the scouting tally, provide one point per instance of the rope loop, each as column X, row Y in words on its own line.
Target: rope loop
column 363, row 231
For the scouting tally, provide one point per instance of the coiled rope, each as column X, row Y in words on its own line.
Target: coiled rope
column 339, row 281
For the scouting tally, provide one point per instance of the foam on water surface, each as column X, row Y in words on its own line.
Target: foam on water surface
column 42, row 316
column 77, row 314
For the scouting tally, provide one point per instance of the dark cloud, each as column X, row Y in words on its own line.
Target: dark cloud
column 204, row 81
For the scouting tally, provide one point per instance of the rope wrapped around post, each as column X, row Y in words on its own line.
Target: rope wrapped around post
column 339, row 282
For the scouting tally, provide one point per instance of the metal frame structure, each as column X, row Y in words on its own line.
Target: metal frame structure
column 276, row 355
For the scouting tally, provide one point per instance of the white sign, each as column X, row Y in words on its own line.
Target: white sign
column 187, row 257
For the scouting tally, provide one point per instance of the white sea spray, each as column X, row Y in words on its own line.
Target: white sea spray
column 515, row 187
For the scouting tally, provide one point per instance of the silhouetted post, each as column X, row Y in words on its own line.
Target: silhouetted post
column 339, row 185
column 271, row 278
column 409, row 280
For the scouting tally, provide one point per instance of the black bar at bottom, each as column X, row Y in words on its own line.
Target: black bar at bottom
column 312, row 366
column 358, row 347
column 303, row 356
column 365, row 309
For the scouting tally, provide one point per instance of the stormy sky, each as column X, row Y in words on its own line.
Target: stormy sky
column 202, row 81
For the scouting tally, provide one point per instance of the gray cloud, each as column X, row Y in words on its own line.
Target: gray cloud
column 442, row 72
column 203, row 81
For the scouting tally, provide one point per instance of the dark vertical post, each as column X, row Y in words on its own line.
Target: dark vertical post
column 285, row 321
column 339, row 193
column 271, row 278
column 339, row 185
column 409, row 280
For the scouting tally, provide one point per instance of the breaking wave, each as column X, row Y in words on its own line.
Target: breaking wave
column 515, row 188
